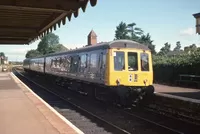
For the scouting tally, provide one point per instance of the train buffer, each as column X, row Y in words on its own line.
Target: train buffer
column 22, row 112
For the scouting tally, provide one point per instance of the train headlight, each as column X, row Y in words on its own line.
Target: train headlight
column 118, row 81
column 145, row 81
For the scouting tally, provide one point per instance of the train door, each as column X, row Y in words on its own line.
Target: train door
column 93, row 68
column 102, row 65
column 146, row 68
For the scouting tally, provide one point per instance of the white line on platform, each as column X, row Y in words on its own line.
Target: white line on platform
column 52, row 109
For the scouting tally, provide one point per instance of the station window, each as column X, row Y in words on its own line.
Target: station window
column 119, row 63
column 144, row 61
column 132, row 61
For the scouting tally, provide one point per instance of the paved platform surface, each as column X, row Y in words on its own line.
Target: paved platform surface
column 178, row 91
column 23, row 113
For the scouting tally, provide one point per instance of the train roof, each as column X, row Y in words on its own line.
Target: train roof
column 103, row 45
column 106, row 45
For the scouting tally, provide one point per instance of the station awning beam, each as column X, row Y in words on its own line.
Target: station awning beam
column 24, row 21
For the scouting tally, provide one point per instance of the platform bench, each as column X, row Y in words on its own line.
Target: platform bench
column 188, row 79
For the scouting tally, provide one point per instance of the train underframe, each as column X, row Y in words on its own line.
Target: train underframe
column 119, row 95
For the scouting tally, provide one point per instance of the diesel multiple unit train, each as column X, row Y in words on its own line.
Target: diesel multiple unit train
column 119, row 70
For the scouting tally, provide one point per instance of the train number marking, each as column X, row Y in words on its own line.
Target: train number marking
column 135, row 77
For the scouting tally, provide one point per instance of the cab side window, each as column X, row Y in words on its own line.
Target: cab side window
column 144, row 57
column 119, row 61
column 103, row 60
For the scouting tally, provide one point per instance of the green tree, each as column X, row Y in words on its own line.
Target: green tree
column 33, row 53
column 57, row 48
column 178, row 46
column 146, row 40
column 121, row 31
column 164, row 50
column 190, row 48
column 136, row 32
column 49, row 40
column 60, row 48
column 2, row 57
column 2, row 54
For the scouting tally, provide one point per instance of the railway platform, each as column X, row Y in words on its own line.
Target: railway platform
column 187, row 94
column 23, row 112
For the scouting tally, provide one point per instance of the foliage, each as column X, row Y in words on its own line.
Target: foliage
column 121, row 31
column 57, row 48
column 165, row 49
column 33, row 53
column 2, row 57
column 178, row 46
column 47, row 43
column 190, row 48
column 146, row 39
column 135, row 31
column 130, row 31
column 171, row 67
column 2, row 54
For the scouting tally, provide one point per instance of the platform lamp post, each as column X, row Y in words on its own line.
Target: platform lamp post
column 197, row 16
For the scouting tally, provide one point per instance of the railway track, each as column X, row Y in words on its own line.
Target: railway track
column 68, row 107
column 131, row 122
column 185, row 115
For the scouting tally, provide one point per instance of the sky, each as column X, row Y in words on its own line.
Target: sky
column 166, row 21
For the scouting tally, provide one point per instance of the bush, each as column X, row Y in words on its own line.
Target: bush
column 167, row 69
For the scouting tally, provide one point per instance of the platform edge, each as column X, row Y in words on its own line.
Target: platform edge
column 46, row 104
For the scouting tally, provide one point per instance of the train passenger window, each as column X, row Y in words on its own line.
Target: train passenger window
column 83, row 61
column 93, row 60
column 52, row 63
column 86, row 60
column 103, row 60
column 119, row 63
column 144, row 57
column 132, row 61
column 74, row 65
column 60, row 61
column 67, row 63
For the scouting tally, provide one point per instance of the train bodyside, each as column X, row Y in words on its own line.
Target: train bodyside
column 34, row 64
column 122, row 65
column 26, row 64
column 88, row 66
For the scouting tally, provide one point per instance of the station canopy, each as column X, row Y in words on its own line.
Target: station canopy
column 24, row 21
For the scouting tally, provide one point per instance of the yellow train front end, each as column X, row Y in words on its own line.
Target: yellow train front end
column 130, row 71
